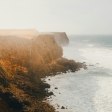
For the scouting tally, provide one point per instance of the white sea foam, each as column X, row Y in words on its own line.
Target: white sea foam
column 86, row 90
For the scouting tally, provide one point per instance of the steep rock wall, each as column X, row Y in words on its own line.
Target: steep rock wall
column 61, row 38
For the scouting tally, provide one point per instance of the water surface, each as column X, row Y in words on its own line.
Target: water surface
column 86, row 90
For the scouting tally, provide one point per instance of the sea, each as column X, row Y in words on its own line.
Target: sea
column 87, row 90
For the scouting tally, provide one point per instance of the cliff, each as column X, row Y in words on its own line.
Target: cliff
column 23, row 62
column 61, row 38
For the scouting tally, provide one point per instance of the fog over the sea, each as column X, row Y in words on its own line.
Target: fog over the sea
column 71, row 16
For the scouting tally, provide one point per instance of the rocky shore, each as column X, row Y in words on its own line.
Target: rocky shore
column 23, row 63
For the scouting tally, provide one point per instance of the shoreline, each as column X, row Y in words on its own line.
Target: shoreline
column 23, row 94
column 22, row 65
column 55, row 88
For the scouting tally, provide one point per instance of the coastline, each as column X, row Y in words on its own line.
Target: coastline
column 23, row 94
column 21, row 87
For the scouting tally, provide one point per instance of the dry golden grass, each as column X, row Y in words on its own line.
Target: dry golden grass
column 23, row 55
column 22, row 64
column 18, row 61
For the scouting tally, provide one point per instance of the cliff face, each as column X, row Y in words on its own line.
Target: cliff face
column 37, row 52
column 23, row 62
column 61, row 38
column 46, row 47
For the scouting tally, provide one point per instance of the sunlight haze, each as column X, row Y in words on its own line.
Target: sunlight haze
column 71, row 16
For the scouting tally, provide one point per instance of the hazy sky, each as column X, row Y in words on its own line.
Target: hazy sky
column 71, row 16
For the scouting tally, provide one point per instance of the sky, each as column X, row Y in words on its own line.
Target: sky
column 90, row 17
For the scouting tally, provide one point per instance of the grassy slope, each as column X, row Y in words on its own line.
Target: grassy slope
column 22, row 64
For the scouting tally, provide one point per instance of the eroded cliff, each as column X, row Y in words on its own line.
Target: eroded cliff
column 23, row 63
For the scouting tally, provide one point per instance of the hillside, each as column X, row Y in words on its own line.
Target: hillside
column 23, row 62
